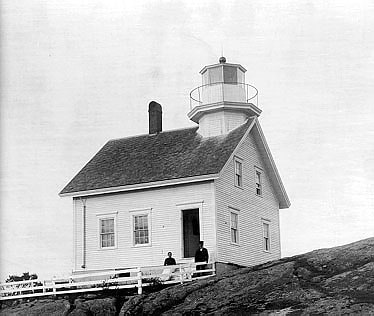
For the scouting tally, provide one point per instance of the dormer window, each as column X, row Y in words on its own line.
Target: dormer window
column 258, row 180
column 238, row 172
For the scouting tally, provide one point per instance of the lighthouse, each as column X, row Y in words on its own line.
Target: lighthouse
column 224, row 101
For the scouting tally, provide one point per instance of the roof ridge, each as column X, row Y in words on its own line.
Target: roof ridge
column 147, row 134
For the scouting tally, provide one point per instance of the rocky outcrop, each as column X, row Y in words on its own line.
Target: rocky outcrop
column 336, row 281
column 101, row 306
column 38, row 307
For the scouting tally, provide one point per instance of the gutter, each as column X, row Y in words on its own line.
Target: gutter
column 141, row 186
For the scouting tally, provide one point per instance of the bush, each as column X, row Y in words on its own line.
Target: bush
column 154, row 284
column 24, row 277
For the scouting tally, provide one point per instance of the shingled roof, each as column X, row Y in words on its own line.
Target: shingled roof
column 148, row 158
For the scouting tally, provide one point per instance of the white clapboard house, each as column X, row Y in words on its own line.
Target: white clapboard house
column 142, row 196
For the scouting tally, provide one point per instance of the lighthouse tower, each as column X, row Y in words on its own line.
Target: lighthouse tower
column 223, row 101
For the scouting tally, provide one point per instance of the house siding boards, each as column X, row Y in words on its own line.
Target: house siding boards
column 77, row 234
column 218, row 123
column 165, row 205
column 252, row 210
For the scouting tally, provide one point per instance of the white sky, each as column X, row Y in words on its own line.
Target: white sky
column 76, row 73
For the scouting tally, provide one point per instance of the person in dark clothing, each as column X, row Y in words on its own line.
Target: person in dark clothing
column 201, row 255
column 169, row 261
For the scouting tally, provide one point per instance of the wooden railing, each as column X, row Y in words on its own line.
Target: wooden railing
column 111, row 280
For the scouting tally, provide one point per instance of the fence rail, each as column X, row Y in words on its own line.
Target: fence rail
column 113, row 279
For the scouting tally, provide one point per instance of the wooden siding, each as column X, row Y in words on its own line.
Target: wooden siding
column 221, row 122
column 77, row 234
column 252, row 210
column 165, row 206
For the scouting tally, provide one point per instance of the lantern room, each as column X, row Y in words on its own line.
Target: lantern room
column 224, row 93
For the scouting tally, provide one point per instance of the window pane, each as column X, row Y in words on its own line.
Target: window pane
column 258, row 177
column 238, row 167
column 234, row 227
column 240, row 76
column 238, row 173
column 141, row 229
column 107, row 240
column 266, row 244
column 107, row 225
column 136, row 222
column 266, row 230
column 230, row 74
column 234, row 220
column 215, row 75
column 145, row 222
column 233, row 236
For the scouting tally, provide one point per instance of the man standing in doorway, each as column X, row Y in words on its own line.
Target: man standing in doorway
column 201, row 255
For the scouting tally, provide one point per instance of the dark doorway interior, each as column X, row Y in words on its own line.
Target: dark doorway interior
column 191, row 232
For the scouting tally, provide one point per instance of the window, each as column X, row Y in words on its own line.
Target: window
column 266, row 235
column 230, row 74
column 141, row 227
column 234, row 227
column 215, row 75
column 107, row 234
column 238, row 172
column 141, row 233
column 258, row 180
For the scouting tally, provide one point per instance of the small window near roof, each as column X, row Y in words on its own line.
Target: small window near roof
column 266, row 235
column 238, row 172
column 258, row 179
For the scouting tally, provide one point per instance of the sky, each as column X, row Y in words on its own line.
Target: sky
column 77, row 73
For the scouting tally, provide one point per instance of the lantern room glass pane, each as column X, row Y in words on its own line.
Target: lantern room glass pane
column 241, row 78
column 215, row 75
column 205, row 78
column 230, row 74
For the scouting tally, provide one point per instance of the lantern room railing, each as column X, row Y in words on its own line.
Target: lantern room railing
column 223, row 92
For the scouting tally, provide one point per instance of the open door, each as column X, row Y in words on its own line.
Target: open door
column 191, row 232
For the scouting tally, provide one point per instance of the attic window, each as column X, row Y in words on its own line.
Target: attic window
column 238, row 166
column 258, row 180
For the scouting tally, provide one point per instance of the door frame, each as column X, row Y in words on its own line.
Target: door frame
column 185, row 207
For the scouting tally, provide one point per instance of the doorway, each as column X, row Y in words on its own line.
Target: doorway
column 191, row 232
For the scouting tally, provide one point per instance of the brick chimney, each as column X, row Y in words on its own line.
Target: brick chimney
column 155, row 117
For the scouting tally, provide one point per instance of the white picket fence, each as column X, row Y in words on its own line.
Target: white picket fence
column 111, row 280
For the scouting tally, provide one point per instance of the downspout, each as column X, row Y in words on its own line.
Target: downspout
column 84, row 232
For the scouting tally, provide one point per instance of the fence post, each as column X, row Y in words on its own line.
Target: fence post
column 140, row 286
column 213, row 268
column 181, row 273
column 43, row 286
column 54, row 286
column 190, row 271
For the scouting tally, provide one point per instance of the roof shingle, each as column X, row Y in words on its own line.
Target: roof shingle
column 148, row 158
